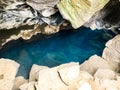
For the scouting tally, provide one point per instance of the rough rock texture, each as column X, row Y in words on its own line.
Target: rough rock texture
column 8, row 70
column 108, row 17
column 95, row 62
column 111, row 53
column 79, row 12
column 25, row 32
column 45, row 7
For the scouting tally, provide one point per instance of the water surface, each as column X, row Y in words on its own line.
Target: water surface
column 53, row 50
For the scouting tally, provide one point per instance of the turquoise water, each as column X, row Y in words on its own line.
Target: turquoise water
column 52, row 50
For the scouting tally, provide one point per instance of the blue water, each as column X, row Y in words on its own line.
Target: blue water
column 53, row 50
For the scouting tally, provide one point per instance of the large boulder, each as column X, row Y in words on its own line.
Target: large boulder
column 93, row 63
column 69, row 73
column 8, row 71
column 50, row 79
column 78, row 12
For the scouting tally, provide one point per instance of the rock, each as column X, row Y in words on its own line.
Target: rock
column 34, row 72
column 105, row 18
column 18, row 82
column 84, row 86
column 50, row 79
column 78, row 12
column 45, row 7
column 86, row 82
column 8, row 70
column 69, row 73
column 94, row 62
column 105, row 74
column 112, row 57
column 49, row 29
column 28, row 86
column 114, row 43
column 109, row 84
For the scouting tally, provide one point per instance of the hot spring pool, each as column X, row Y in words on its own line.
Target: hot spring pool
column 65, row 46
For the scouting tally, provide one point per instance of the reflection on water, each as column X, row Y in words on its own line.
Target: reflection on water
column 63, row 47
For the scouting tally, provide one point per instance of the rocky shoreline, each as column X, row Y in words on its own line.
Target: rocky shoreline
column 96, row 73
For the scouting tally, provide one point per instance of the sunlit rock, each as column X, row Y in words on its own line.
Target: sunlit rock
column 107, row 84
column 112, row 57
column 101, row 74
column 114, row 43
column 79, row 12
column 84, row 86
column 95, row 62
column 28, row 86
column 69, row 73
column 8, row 71
column 50, row 79
column 18, row 82
column 34, row 73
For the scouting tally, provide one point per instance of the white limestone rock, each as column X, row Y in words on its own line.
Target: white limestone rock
column 34, row 72
column 105, row 74
column 18, row 82
column 109, row 84
column 8, row 71
column 49, row 79
column 28, row 86
column 69, row 73
column 114, row 43
column 95, row 62
column 84, row 86
column 112, row 57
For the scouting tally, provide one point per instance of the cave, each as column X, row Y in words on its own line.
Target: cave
column 73, row 41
